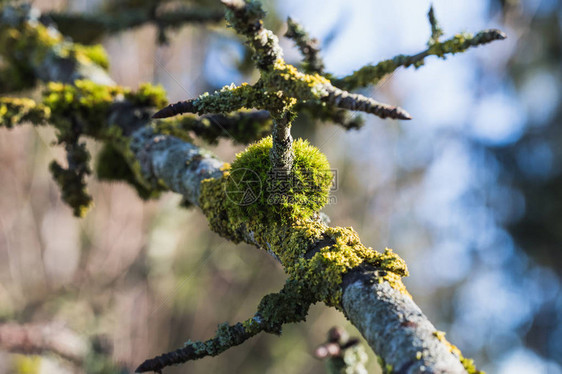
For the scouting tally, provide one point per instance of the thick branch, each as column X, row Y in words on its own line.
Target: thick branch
column 166, row 158
column 181, row 167
column 395, row 327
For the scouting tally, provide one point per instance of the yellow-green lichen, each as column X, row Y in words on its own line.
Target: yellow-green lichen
column 94, row 53
column 147, row 95
column 232, row 98
column 320, row 275
column 325, row 270
column 31, row 48
column 89, row 103
column 290, row 81
column 14, row 111
column 467, row 363
column 84, row 101
column 276, row 91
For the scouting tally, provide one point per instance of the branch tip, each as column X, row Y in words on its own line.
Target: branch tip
column 175, row 109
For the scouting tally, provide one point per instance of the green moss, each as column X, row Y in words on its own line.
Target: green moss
column 71, row 180
column 91, row 53
column 324, row 271
column 14, row 111
column 89, row 104
column 255, row 191
column 85, row 102
column 30, row 48
column 148, row 95
column 84, row 108
column 288, row 232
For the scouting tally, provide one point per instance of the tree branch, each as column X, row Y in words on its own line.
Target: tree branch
column 328, row 264
column 371, row 74
column 89, row 28
column 307, row 46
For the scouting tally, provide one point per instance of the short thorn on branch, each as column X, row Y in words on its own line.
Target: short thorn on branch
column 174, row 109
column 346, row 100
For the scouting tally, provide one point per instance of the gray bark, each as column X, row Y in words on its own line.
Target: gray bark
column 392, row 323
column 395, row 327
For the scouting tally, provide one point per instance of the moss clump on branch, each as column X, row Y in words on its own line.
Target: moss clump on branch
column 275, row 198
column 288, row 229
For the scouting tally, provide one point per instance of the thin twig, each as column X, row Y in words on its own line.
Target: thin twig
column 371, row 74
column 309, row 47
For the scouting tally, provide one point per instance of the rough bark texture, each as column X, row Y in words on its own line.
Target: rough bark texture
column 180, row 165
column 392, row 323
column 395, row 327
column 281, row 152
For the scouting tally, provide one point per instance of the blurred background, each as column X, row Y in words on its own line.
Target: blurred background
column 469, row 192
